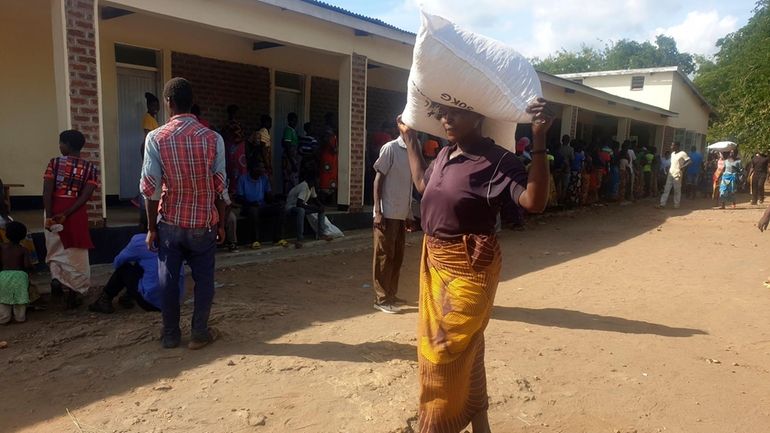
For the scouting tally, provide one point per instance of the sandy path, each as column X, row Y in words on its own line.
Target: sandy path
column 623, row 319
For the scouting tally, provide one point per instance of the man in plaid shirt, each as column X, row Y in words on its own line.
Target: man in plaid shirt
column 183, row 178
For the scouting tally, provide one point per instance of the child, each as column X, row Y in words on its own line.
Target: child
column 14, row 277
column 69, row 182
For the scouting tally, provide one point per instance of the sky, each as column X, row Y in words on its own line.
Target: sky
column 537, row 28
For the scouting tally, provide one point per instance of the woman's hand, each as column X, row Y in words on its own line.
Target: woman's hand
column 59, row 219
column 542, row 116
column 408, row 134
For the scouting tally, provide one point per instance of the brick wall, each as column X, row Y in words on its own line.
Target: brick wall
column 217, row 84
column 382, row 105
column 324, row 98
column 84, row 96
column 357, row 133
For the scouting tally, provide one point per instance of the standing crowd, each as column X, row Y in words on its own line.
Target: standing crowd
column 195, row 184
column 625, row 172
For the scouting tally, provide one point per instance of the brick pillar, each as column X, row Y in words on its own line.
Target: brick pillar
column 82, row 72
column 357, row 132
column 668, row 138
column 624, row 129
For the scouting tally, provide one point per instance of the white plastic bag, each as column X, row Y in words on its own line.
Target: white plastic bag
column 458, row 68
column 331, row 229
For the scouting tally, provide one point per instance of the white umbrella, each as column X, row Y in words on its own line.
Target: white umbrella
column 722, row 146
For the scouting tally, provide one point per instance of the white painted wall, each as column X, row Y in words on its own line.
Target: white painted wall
column 656, row 91
column 693, row 113
column 28, row 104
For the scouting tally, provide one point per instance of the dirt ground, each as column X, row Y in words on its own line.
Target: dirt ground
column 609, row 319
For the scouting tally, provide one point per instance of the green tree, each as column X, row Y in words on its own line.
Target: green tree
column 622, row 54
column 586, row 59
column 738, row 83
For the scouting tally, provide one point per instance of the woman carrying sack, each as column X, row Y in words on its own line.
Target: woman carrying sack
column 463, row 191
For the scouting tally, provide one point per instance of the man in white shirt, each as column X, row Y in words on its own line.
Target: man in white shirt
column 679, row 163
column 632, row 167
column 303, row 200
column 392, row 217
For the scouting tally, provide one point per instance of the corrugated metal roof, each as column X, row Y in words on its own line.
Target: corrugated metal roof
column 338, row 9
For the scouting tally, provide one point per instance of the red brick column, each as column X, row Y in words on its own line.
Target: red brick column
column 83, row 86
column 357, row 133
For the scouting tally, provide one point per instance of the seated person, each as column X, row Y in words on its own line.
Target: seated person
column 15, row 266
column 136, row 270
column 255, row 196
column 303, row 200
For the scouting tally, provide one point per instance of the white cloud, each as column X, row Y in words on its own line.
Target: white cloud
column 699, row 32
column 539, row 30
column 494, row 18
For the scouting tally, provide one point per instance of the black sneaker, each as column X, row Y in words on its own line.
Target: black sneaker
column 170, row 342
column 74, row 300
column 102, row 305
column 126, row 302
column 57, row 291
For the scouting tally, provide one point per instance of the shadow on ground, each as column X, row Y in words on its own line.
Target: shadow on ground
column 377, row 352
column 59, row 351
column 571, row 319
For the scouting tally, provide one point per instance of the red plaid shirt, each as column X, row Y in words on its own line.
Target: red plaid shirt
column 184, row 168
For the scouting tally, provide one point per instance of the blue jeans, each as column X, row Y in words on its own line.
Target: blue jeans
column 196, row 247
column 299, row 214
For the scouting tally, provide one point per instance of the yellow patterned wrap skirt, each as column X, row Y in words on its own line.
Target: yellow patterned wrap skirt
column 458, row 281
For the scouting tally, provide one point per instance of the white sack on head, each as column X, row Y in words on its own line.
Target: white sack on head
column 458, row 68
column 723, row 146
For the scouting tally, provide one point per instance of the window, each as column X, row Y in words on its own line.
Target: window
column 286, row 80
column 680, row 135
column 637, row 83
column 689, row 139
column 136, row 56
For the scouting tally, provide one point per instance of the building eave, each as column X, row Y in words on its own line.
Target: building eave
column 582, row 88
column 362, row 24
column 618, row 72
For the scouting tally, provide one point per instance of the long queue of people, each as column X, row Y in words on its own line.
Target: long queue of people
column 612, row 172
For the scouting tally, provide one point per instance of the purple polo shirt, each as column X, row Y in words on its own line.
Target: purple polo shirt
column 464, row 195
